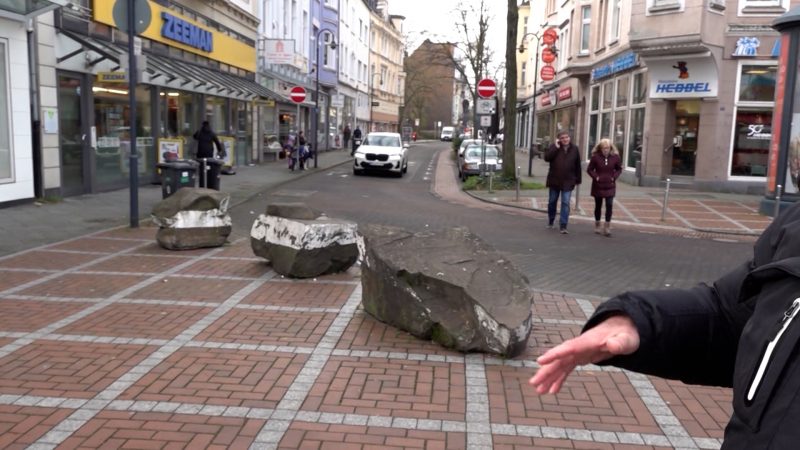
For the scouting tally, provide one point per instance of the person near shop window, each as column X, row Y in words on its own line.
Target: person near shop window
column 206, row 140
column 604, row 167
column 562, row 177
column 346, row 135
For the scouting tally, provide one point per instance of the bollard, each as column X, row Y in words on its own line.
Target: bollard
column 666, row 199
column 517, row 184
column 491, row 176
column 777, row 202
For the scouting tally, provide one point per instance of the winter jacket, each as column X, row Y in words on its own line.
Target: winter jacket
column 206, row 139
column 565, row 167
column 604, row 172
column 719, row 335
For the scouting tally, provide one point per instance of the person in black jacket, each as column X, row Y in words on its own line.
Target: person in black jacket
column 562, row 177
column 742, row 332
column 206, row 139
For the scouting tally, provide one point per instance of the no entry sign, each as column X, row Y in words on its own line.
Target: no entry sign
column 298, row 94
column 486, row 88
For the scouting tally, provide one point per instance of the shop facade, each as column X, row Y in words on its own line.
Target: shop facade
column 192, row 69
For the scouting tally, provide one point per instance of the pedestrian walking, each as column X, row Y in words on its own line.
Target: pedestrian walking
column 562, row 177
column 356, row 140
column 206, row 140
column 741, row 332
column 605, row 166
column 346, row 133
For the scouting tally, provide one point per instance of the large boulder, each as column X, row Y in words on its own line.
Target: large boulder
column 192, row 218
column 448, row 286
column 299, row 242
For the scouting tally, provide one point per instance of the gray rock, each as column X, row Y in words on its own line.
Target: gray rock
column 299, row 211
column 305, row 248
column 450, row 287
column 192, row 218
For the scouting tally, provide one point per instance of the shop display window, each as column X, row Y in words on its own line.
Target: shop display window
column 757, row 83
column 751, row 139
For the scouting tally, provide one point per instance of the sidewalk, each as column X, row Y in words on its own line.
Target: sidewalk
column 706, row 212
column 34, row 224
column 109, row 341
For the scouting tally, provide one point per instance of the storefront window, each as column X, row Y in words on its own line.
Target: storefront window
column 608, row 94
column 635, row 137
column 757, row 83
column 605, row 126
column 217, row 114
column 619, row 132
column 752, row 135
column 543, row 130
column 178, row 110
column 592, row 141
column 639, row 88
column 595, row 97
column 565, row 120
column 6, row 156
column 622, row 92
column 112, row 124
column 241, row 112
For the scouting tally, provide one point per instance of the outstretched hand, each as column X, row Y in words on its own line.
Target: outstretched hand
column 616, row 335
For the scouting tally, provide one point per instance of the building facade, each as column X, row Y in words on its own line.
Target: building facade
column 431, row 89
column 386, row 79
column 354, row 63
column 684, row 88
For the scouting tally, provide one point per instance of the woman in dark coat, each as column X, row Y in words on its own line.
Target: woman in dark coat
column 206, row 139
column 605, row 166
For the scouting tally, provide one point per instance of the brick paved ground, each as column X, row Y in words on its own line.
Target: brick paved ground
column 108, row 341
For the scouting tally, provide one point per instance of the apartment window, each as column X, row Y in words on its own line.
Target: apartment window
column 6, row 153
column 613, row 30
column 586, row 27
column 522, row 74
column 601, row 22
column 564, row 51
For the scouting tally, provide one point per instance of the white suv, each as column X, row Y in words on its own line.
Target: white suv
column 382, row 152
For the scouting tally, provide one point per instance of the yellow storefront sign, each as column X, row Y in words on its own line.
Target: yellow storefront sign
column 168, row 27
column 112, row 77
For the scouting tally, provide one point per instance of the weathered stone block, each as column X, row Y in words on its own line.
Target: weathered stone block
column 450, row 287
column 304, row 248
column 192, row 218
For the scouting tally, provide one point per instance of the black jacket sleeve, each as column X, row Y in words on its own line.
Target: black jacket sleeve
column 550, row 153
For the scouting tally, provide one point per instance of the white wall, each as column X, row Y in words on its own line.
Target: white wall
column 15, row 36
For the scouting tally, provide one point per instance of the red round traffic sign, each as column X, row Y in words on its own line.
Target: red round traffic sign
column 548, row 55
column 486, row 88
column 547, row 73
column 298, row 94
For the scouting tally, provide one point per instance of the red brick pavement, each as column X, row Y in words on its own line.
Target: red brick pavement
column 389, row 374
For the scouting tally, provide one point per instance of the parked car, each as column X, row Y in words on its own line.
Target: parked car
column 466, row 142
column 447, row 133
column 470, row 162
column 381, row 152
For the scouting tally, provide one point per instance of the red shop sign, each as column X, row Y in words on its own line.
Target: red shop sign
column 546, row 100
column 565, row 93
column 547, row 73
column 550, row 36
column 548, row 55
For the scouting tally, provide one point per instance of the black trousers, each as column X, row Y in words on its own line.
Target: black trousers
column 598, row 203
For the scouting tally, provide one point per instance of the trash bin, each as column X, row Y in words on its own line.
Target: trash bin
column 210, row 169
column 175, row 175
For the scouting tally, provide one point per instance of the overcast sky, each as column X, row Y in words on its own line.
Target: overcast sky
column 436, row 20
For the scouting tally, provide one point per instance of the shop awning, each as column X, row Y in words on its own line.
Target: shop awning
column 23, row 10
column 168, row 72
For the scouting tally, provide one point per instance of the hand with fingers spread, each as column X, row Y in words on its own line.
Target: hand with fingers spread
column 616, row 335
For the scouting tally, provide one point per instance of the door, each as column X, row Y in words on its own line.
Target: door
column 684, row 142
column 73, row 135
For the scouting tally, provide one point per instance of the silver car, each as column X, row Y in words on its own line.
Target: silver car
column 381, row 152
column 470, row 162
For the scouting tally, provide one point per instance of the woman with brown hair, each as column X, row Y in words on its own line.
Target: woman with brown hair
column 605, row 166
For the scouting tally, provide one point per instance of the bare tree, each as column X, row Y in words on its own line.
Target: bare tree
column 473, row 28
column 510, row 128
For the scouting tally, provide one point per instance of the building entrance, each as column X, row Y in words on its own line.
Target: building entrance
column 684, row 142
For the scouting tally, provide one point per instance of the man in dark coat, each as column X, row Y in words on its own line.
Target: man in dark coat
column 346, row 135
column 562, row 177
column 741, row 332
column 206, row 139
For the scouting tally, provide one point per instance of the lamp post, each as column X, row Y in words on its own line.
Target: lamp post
column 372, row 95
column 315, row 131
column 538, row 39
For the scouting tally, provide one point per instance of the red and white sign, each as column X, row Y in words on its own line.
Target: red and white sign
column 298, row 94
column 548, row 55
column 547, row 73
column 564, row 93
column 486, row 88
column 545, row 99
column 550, row 36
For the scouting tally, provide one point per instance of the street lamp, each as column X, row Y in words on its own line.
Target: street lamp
column 538, row 38
column 315, row 131
column 372, row 95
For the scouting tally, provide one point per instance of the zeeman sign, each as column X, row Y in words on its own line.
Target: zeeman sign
column 175, row 30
